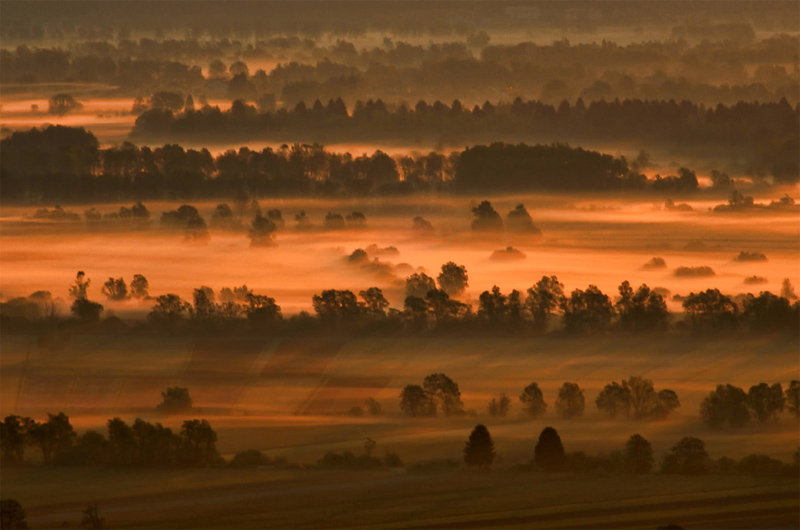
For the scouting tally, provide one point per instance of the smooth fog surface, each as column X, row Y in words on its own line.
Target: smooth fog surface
column 590, row 240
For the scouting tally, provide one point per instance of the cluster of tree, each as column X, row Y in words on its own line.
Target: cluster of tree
column 437, row 392
column 635, row 397
column 708, row 72
column 731, row 406
column 684, row 126
column 141, row 444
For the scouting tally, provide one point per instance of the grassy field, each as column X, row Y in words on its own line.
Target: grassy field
column 265, row 498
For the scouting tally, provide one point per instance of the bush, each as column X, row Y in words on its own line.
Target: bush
column 249, row 458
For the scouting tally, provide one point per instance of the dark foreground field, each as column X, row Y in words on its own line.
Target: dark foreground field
column 266, row 498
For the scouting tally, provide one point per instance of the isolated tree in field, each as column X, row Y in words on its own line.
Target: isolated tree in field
column 414, row 401
column 793, row 398
column 688, row 457
column 570, row 402
column 262, row 232
column 614, row 399
column 533, row 400
column 641, row 310
column 453, row 279
column 486, row 218
column 53, row 436
column 62, row 104
column 419, row 284
column 14, row 438
column 169, row 310
column 588, row 311
column 175, row 400
column 642, row 396
column 766, row 401
column 638, row 455
column 544, row 299
column 78, row 289
column 519, row 220
column 445, row 393
column 375, row 303
column 139, row 287
column 725, row 405
column 12, row 515
column 549, row 451
column 86, row 310
column 115, row 289
column 499, row 406
column 479, row 449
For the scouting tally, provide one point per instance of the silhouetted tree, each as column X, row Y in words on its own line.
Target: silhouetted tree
column 175, row 400
column 638, row 455
column 375, row 303
column 499, row 406
column 486, row 218
column 122, row 442
column 533, row 400
column 642, row 310
column 62, row 104
column 14, row 432
column 86, row 310
column 262, row 232
column 453, row 279
column 519, row 220
column 115, row 289
column 769, row 313
column 198, row 444
column 139, row 287
column 169, row 310
column 549, row 451
column 766, row 401
column 570, row 402
column 414, row 401
column 710, row 311
column 336, row 306
column 261, row 309
column 81, row 285
column 479, row 449
column 91, row 518
column 544, row 298
column 53, row 436
column 334, row 221
column 725, row 405
column 793, row 397
column 613, row 399
column 204, row 308
column 687, row 457
column 12, row 515
column 444, row 392
column 419, row 284
column 588, row 311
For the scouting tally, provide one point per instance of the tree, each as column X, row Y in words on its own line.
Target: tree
column 519, row 220
column 262, row 232
column 169, row 310
column 725, row 405
column 419, row 284
column 121, row 442
column 444, row 392
column 710, row 311
column 570, row 402
column 139, row 287
column 62, row 104
column 499, row 407
column 766, row 401
column 86, row 310
column 493, row 305
column 688, row 457
column 613, row 399
column 375, row 303
column 533, row 400
column 53, row 436
column 486, row 218
column 588, row 311
column 793, row 397
column 479, row 449
column 13, row 438
column 262, row 309
column 638, row 455
column 78, row 289
column 642, row 397
column 544, row 298
column 204, row 307
column 91, row 518
column 115, row 289
column 414, row 401
column 667, row 402
column 175, row 400
column 549, row 451
column 12, row 514
column 453, row 279
column 640, row 311
column 335, row 307
column 198, row 446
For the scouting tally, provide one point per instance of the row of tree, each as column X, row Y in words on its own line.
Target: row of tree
column 141, row 444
